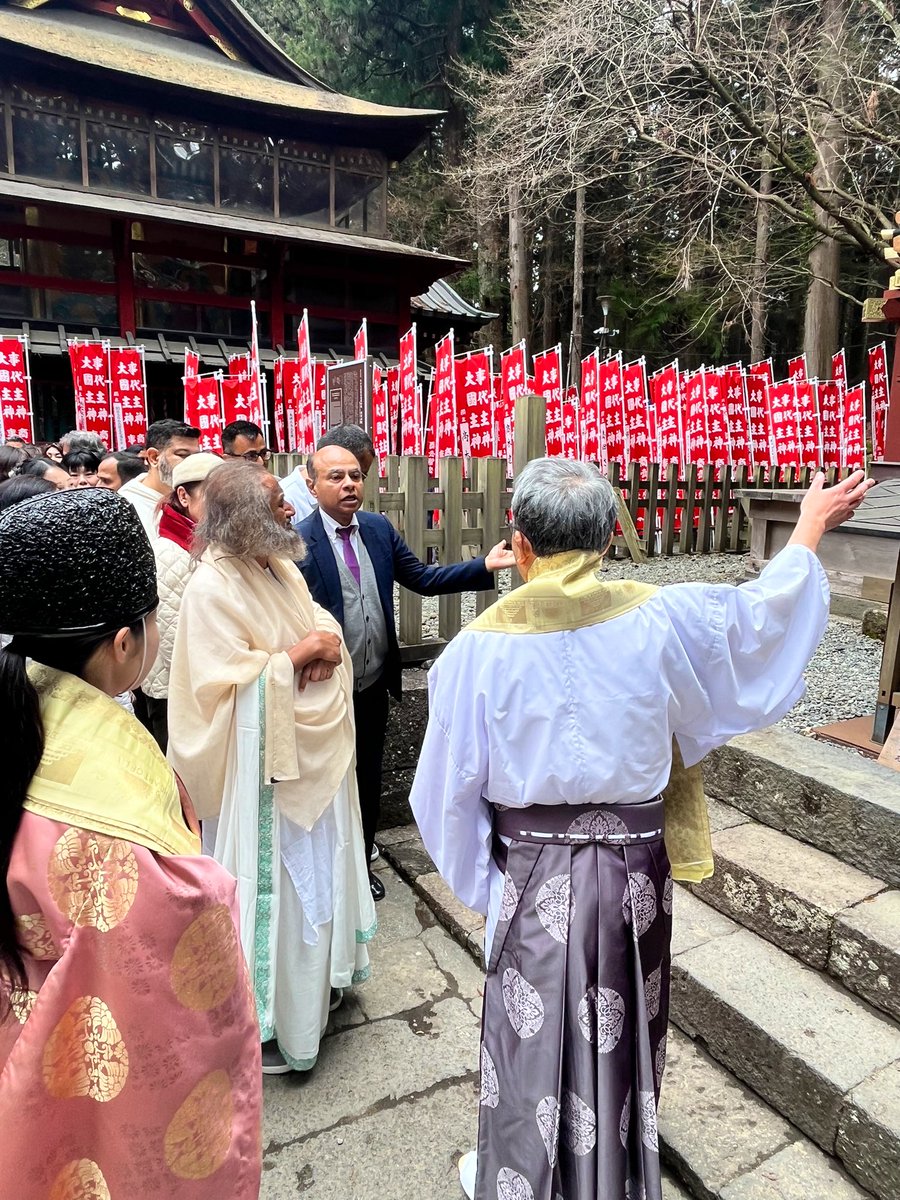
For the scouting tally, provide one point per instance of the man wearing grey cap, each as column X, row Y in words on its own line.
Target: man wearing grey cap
column 172, row 548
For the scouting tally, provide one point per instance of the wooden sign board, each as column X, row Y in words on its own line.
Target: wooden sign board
column 349, row 389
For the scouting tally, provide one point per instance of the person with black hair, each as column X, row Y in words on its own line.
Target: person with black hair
column 22, row 487
column 45, row 468
column 245, row 439
column 128, row 1038
column 119, row 468
column 10, row 459
column 82, row 467
column 167, row 443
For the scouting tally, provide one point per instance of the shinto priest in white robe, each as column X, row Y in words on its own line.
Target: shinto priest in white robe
column 575, row 695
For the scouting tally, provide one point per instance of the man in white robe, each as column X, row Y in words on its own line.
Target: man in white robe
column 261, row 734
column 553, row 722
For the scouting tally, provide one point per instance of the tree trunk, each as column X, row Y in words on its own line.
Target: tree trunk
column 519, row 290
column 491, row 292
column 549, row 323
column 761, row 263
column 821, row 327
column 578, row 282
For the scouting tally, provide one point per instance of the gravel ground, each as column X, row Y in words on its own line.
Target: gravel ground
column 842, row 679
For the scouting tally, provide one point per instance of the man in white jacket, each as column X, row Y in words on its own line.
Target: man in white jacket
column 172, row 548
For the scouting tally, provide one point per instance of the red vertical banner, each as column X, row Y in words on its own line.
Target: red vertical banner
column 667, row 402
column 305, row 391
column 548, row 383
column 290, row 386
column 380, row 417
column 756, row 388
column 717, row 418
column 128, row 395
column 762, row 370
column 191, row 364
column 737, row 416
column 797, row 369
column 879, row 392
column 393, row 391
column 90, row 376
column 320, row 396
column 613, row 445
column 278, row 404
column 258, row 407
column 839, row 369
column 203, row 410
column 361, row 342
column 571, row 442
column 855, row 427
column 591, row 408
column 809, row 432
column 501, row 440
column 410, row 398
column 782, row 398
column 638, row 439
column 831, row 421
column 16, row 416
column 696, row 432
column 442, row 417
column 236, row 398
column 513, row 374
column 474, row 399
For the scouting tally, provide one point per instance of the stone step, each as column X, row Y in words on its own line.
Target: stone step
column 823, row 1058
column 829, row 915
column 724, row 1143
column 837, row 801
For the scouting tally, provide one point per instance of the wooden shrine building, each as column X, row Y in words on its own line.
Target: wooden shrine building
column 161, row 166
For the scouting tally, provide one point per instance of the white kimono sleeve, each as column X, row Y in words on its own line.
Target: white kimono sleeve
column 748, row 648
column 447, row 795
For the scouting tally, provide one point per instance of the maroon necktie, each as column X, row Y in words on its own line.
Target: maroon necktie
column 349, row 553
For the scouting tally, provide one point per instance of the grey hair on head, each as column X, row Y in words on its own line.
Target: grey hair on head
column 79, row 439
column 559, row 505
column 239, row 517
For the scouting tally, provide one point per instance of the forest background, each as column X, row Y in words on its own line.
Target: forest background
column 718, row 170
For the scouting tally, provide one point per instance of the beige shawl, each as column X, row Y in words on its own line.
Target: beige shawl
column 237, row 621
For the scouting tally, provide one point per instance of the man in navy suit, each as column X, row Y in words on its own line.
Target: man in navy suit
column 352, row 561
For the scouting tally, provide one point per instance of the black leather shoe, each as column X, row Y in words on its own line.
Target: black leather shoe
column 377, row 887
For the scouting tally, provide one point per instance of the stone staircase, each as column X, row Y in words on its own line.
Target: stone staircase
column 783, row 1073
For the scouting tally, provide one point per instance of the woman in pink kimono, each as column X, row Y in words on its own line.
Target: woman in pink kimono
column 129, row 1050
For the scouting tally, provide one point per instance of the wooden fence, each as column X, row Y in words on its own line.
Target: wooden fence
column 459, row 516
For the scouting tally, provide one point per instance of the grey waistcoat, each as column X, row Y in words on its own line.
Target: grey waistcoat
column 364, row 629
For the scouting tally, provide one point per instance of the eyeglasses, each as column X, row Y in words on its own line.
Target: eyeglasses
column 251, row 455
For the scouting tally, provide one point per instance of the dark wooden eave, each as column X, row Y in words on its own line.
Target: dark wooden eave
column 128, row 60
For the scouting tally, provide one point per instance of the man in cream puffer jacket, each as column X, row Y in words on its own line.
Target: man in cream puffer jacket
column 172, row 547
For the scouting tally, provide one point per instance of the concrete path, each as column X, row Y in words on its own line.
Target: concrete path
column 393, row 1100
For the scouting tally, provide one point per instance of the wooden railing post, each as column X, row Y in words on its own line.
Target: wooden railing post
column 450, row 479
column 652, row 509
column 530, row 436
column 413, row 485
column 670, row 509
column 489, row 478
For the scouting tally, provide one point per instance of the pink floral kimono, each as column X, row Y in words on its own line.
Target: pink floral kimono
column 130, row 1065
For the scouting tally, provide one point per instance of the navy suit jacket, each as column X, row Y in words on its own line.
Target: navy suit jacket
column 392, row 560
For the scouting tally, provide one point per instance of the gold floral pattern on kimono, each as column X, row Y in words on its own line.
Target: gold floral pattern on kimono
column 199, row 982
column 85, row 1054
column 35, row 936
column 199, row 1135
column 93, row 879
column 81, row 1179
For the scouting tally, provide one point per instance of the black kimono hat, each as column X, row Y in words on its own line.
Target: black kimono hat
column 74, row 562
